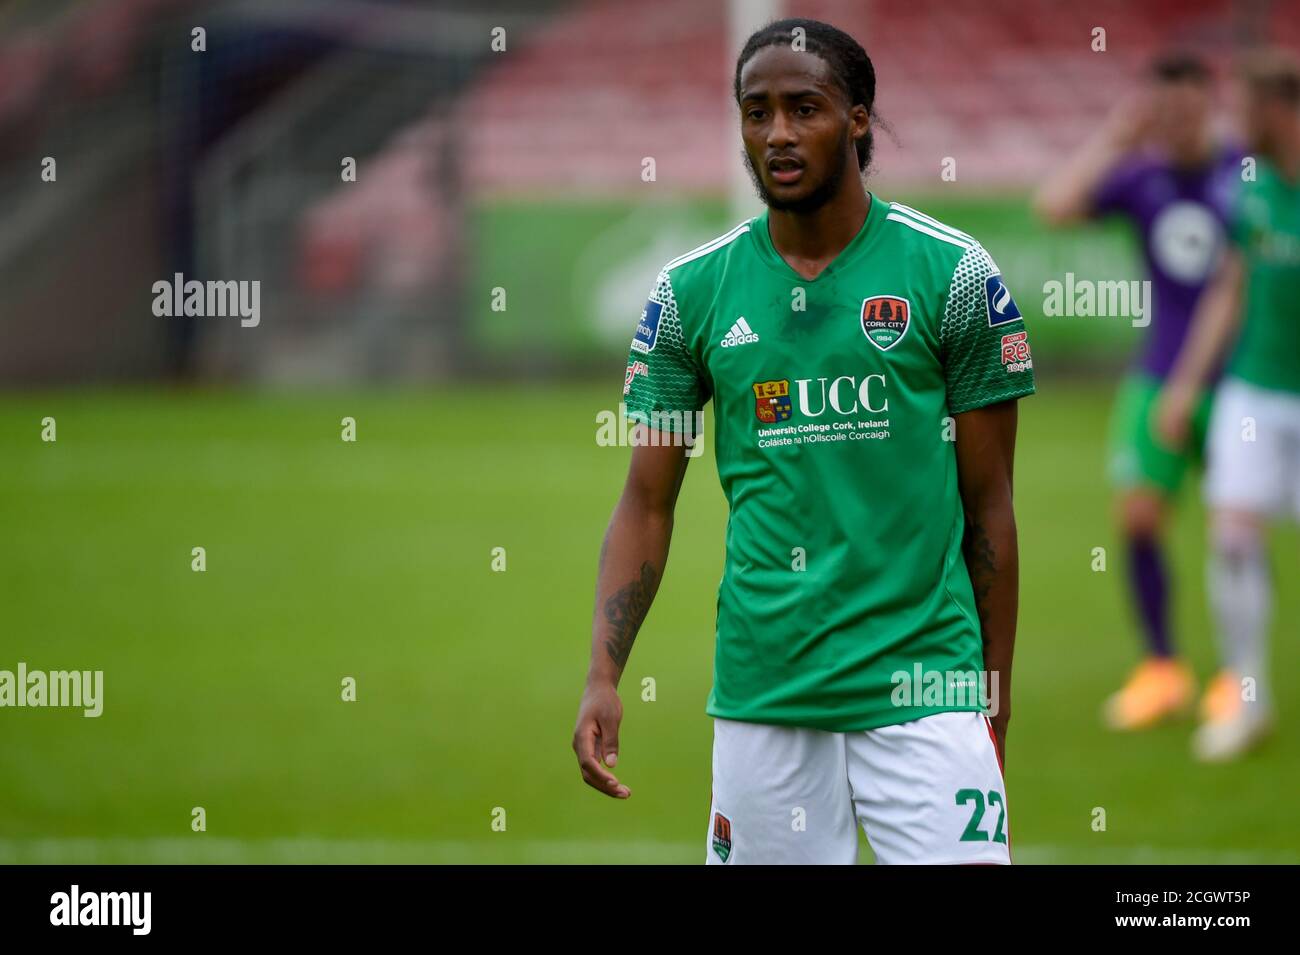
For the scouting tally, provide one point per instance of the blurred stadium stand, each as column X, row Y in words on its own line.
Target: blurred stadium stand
column 226, row 164
column 992, row 77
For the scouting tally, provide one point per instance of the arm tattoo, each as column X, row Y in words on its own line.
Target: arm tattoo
column 981, row 563
column 625, row 610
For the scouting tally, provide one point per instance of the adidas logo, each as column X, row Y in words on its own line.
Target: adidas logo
column 739, row 334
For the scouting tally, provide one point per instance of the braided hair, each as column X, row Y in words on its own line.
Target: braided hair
column 850, row 66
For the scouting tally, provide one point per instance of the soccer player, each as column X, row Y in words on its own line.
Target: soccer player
column 1253, row 467
column 1156, row 163
column 863, row 361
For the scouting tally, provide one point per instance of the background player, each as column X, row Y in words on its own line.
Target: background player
column 1157, row 164
column 1254, row 444
column 862, row 359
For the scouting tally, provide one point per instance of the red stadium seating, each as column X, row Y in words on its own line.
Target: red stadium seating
column 987, row 83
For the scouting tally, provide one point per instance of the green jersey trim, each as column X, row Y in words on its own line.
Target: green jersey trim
column 713, row 245
column 928, row 226
column 931, row 220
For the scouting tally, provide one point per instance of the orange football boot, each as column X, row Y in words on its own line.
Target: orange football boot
column 1159, row 688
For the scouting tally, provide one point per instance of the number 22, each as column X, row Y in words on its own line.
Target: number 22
column 973, row 832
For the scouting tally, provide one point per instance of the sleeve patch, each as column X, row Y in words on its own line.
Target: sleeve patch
column 633, row 369
column 985, row 346
column 1016, row 356
column 647, row 330
column 998, row 302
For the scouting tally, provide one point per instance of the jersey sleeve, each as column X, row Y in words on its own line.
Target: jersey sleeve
column 664, row 387
column 983, row 342
column 1116, row 190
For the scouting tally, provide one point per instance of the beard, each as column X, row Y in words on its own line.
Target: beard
column 820, row 195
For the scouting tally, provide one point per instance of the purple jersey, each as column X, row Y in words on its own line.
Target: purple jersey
column 1181, row 216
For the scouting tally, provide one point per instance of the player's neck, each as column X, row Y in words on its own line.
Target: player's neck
column 1285, row 156
column 810, row 241
column 1198, row 157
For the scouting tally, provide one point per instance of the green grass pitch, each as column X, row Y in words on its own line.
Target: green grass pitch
column 372, row 560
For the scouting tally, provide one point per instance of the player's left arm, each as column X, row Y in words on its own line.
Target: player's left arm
column 987, row 366
column 986, row 445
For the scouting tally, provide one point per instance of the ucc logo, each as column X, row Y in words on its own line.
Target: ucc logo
column 845, row 394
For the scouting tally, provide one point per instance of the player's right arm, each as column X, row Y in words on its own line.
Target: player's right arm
column 1072, row 193
column 1213, row 328
column 664, row 392
column 632, row 561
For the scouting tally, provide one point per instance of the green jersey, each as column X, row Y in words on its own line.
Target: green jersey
column 833, row 396
column 1267, row 231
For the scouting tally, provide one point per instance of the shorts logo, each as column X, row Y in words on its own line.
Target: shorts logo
column 997, row 297
column 772, row 401
column 1015, row 352
column 885, row 319
column 647, row 329
column 722, row 836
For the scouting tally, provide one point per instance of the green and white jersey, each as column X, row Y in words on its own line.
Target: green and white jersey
column 835, row 447
column 1267, row 230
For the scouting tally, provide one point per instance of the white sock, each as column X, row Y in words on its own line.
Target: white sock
column 1241, row 596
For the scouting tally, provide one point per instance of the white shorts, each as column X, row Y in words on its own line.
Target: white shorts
column 1253, row 450
column 926, row 791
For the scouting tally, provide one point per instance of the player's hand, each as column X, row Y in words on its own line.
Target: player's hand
column 1129, row 122
column 1173, row 415
column 1131, row 119
column 595, row 738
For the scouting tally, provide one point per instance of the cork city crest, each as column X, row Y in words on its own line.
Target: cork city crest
column 722, row 836
column 885, row 319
